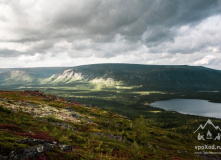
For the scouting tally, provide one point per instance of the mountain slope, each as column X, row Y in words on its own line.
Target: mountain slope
column 150, row 77
column 67, row 76
column 21, row 76
column 34, row 125
column 142, row 77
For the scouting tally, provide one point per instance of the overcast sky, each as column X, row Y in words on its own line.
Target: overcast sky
column 40, row 33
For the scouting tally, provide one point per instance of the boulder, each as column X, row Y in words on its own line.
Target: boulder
column 40, row 147
column 3, row 157
column 25, row 153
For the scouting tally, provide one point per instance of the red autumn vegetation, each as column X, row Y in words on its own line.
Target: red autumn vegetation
column 10, row 127
column 39, row 135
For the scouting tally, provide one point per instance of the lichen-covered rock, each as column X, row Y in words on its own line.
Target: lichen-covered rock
column 65, row 148
column 27, row 153
column 3, row 157
column 40, row 147
column 24, row 153
column 35, row 141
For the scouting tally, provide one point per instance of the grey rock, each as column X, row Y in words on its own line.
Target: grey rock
column 41, row 146
column 34, row 141
column 3, row 157
column 24, row 153
column 65, row 148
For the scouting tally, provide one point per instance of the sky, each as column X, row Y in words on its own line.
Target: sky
column 40, row 33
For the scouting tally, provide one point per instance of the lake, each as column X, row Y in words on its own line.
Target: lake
column 191, row 106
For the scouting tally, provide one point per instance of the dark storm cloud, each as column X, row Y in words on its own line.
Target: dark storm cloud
column 150, row 22
column 131, row 18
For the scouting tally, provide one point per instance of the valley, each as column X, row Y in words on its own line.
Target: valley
column 34, row 125
column 94, row 95
column 118, row 86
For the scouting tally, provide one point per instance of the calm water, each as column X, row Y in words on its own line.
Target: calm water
column 191, row 106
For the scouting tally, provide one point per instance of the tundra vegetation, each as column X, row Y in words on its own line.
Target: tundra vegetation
column 105, row 112
column 64, row 129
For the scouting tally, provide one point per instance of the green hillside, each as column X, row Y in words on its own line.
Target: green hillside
column 156, row 77
column 105, row 112
column 34, row 125
column 141, row 77
column 126, row 88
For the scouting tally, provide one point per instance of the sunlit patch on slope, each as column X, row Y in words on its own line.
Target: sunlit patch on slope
column 67, row 76
column 149, row 92
column 18, row 76
column 102, row 83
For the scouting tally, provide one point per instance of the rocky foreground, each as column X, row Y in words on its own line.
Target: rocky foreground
column 34, row 125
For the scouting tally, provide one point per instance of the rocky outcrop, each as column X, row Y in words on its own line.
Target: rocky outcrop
column 40, row 146
column 32, row 152
column 67, row 76
column 3, row 157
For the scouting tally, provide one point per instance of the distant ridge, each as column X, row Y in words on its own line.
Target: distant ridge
column 144, row 77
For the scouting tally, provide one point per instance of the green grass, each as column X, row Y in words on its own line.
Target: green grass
column 153, row 137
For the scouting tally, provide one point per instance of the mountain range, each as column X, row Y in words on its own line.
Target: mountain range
column 142, row 77
column 40, row 125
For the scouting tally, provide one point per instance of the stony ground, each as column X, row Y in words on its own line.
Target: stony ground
column 34, row 125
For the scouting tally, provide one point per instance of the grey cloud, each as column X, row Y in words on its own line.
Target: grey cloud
column 42, row 46
column 152, row 23
column 9, row 53
column 132, row 18
column 158, row 35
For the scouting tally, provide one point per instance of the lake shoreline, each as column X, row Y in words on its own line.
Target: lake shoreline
column 195, row 107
